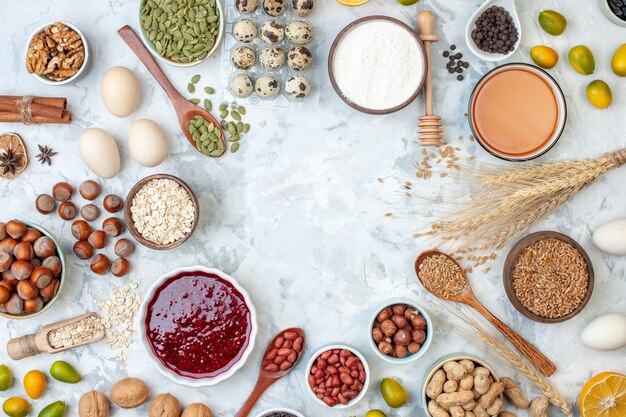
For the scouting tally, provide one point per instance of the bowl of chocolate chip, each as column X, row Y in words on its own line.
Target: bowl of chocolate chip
column 400, row 331
column 280, row 412
column 57, row 53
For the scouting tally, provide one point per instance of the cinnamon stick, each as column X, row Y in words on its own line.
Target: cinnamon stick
column 8, row 117
column 51, row 107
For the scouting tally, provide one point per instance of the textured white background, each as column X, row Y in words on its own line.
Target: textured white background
column 297, row 215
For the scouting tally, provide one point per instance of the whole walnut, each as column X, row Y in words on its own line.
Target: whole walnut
column 129, row 393
column 164, row 405
column 93, row 404
column 197, row 410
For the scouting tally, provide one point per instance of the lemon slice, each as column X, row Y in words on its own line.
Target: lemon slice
column 604, row 396
column 352, row 2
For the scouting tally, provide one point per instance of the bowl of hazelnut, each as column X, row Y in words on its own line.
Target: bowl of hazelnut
column 400, row 331
column 33, row 270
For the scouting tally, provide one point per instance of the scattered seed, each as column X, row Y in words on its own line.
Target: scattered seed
column 195, row 101
column 191, row 88
column 235, row 115
column 224, row 114
column 241, row 110
column 234, row 147
column 223, row 106
column 209, row 90
column 208, row 105
column 195, row 78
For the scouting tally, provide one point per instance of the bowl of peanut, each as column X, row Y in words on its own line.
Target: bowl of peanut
column 461, row 383
column 400, row 331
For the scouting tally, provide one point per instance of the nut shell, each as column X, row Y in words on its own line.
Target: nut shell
column 100, row 264
column 26, row 290
column 120, row 267
column 89, row 190
column 124, row 248
column 90, row 212
column 97, row 239
column 93, row 404
column 67, row 210
column 81, row 230
column 113, row 226
column 23, row 251
column 62, row 191
column 15, row 229
column 197, row 410
column 44, row 247
column 112, row 203
column 164, row 405
column 21, row 269
column 31, row 235
column 83, row 249
column 45, row 204
column 129, row 393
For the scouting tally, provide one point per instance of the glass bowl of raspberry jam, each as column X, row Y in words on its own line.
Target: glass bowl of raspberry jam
column 197, row 325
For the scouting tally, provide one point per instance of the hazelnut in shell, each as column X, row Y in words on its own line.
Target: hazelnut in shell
column 44, row 247
column 26, row 291
column 67, row 210
column 45, row 204
column 41, row 277
column 53, row 263
column 113, row 226
column 83, row 249
column 4, row 294
column 164, row 405
column 97, row 239
column 21, row 270
column 129, row 393
column 3, row 230
column 8, row 244
column 120, row 267
column 124, row 248
column 5, row 261
column 7, row 276
column 197, row 410
column 81, row 230
column 50, row 291
column 23, row 251
column 34, row 305
column 112, row 203
column 62, row 191
column 93, row 404
column 31, row 235
column 15, row 305
column 89, row 190
column 15, row 229
column 100, row 265
column 90, row 212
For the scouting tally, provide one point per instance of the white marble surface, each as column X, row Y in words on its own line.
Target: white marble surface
column 297, row 215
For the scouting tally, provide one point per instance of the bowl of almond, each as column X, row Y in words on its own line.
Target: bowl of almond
column 57, row 53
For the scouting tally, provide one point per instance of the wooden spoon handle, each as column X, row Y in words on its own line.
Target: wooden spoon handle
column 133, row 41
column 262, row 384
column 532, row 353
column 23, row 347
column 426, row 28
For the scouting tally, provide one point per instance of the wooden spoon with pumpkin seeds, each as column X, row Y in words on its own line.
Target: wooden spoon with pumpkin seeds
column 200, row 128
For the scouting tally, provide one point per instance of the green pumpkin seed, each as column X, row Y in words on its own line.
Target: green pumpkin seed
column 224, row 114
column 195, row 78
column 246, row 128
column 234, row 138
column 209, row 90
column 241, row 110
column 208, row 105
column 195, row 101
column 234, row 147
column 235, row 115
column 239, row 126
column 223, row 106
column 191, row 88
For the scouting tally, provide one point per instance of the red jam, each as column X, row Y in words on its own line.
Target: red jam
column 198, row 325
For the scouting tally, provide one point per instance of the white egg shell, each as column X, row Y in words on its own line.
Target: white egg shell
column 607, row 332
column 99, row 152
column 611, row 237
column 147, row 143
column 119, row 89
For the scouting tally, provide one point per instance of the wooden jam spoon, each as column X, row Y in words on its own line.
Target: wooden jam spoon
column 270, row 371
column 185, row 110
column 466, row 296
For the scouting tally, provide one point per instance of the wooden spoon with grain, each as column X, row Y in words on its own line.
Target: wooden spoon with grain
column 466, row 296
column 185, row 110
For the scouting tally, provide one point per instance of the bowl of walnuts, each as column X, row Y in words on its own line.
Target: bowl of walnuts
column 400, row 331
column 57, row 53
column 32, row 267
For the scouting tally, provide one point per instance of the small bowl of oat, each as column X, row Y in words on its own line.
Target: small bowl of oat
column 161, row 212
column 57, row 53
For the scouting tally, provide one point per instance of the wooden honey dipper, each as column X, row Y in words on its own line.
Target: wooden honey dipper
column 429, row 127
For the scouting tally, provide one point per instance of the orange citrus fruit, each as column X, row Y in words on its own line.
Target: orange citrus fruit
column 352, row 2
column 34, row 384
column 604, row 395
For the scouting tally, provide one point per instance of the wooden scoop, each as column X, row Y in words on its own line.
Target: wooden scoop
column 467, row 297
column 267, row 378
column 429, row 127
column 32, row 344
column 185, row 110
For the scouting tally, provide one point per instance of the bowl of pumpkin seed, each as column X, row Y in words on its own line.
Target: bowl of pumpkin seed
column 182, row 33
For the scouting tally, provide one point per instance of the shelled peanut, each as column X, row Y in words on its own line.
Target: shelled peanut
column 286, row 349
column 464, row 389
column 337, row 376
column 399, row 331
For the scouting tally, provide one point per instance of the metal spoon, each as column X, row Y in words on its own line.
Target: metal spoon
column 467, row 297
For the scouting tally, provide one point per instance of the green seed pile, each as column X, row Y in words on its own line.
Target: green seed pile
column 182, row 31
column 207, row 136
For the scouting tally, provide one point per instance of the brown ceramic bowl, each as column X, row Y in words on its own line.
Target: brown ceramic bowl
column 509, row 263
column 129, row 221
column 339, row 38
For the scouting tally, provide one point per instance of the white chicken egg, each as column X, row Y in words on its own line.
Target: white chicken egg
column 147, row 143
column 611, row 237
column 607, row 332
column 99, row 152
column 119, row 89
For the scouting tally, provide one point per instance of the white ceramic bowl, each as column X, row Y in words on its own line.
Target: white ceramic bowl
column 277, row 410
column 356, row 399
column 143, row 339
column 425, row 344
column 45, row 79
column 610, row 15
column 508, row 5
column 439, row 364
column 151, row 48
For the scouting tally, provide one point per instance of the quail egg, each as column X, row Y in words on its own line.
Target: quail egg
column 247, row 6
column 299, row 32
column 299, row 58
column 272, row 32
column 267, row 87
column 245, row 30
column 272, row 58
column 241, row 85
column 303, row 7
column 275, row 7
column 243, row 57
column 297, row 87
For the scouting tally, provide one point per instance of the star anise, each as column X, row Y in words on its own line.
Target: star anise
column 9, row 162
column 45, row 155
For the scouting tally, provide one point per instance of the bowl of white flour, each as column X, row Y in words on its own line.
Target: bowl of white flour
column 377, row 65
